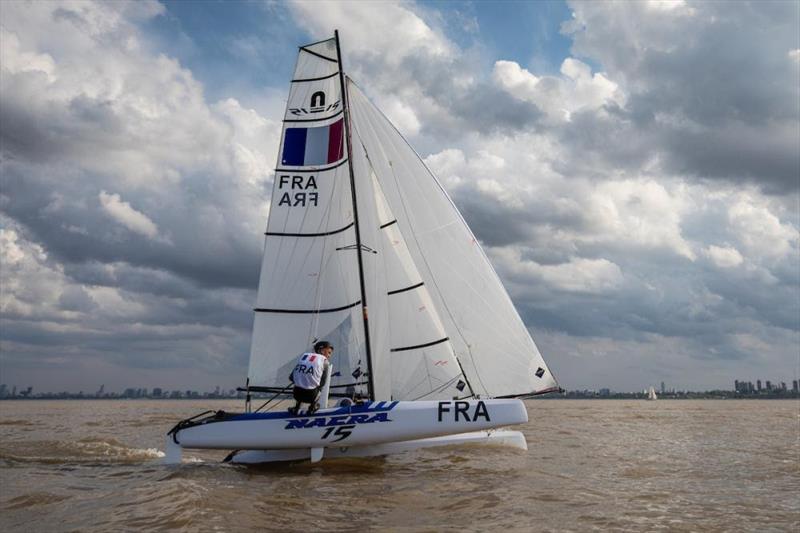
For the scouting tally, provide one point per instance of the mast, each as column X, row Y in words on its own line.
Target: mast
column 365, row 316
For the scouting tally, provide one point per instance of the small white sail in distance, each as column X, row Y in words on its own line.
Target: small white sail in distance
column 364, row 220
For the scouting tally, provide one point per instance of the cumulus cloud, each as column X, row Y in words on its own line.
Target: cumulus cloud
column 724, row 257
column 559, row 98
column 124, row 195
column 129, row 217
column 715, row 95
column 761, row 232
column 640, row 203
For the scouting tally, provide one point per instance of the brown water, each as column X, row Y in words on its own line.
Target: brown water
column 591, row 465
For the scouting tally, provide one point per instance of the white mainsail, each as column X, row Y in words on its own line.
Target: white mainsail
column 440, row 324
column 309, row 289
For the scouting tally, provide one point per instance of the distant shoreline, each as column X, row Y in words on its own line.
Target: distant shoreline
column 690, row 396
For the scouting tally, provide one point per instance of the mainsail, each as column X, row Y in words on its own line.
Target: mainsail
column 364, row 248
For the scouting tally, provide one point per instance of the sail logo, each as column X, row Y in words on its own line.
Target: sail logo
column 317, row 106
column 375, row 412
column 333, row 421
column 313, row 146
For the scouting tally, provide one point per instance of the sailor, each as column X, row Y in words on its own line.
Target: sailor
column 309, row 376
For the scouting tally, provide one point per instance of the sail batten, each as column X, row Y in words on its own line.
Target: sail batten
column 409, row 288
column 321, row 234
column 418, row 346
column 308, row 311
column 316, row 79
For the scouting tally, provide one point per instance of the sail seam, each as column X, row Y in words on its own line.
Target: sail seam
column 388, row 224
column 306, row 311
column 417, row 346
column 321, row 169
column 326, row 233
column 300, row 80
column 404, row 289
column 313, row 119
column 304, row 49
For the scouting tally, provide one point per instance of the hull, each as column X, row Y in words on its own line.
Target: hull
column 504, row 438
column 358, row 425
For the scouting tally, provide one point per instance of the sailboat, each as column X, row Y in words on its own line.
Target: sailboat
column 365, row 249
column 651, row 393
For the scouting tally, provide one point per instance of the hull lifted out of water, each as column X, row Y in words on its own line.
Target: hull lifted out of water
column 375, row 428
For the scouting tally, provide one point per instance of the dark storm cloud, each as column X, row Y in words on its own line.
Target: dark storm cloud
column 713, row 86
column 497, row 223
column 77, row 230
column 475, row 106
column 76, row 299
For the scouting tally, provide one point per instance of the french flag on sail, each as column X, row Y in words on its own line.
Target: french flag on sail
column 313, row 146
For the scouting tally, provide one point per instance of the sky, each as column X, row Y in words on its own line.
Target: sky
column 632, row 170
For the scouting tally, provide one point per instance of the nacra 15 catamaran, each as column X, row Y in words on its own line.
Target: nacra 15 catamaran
column 356, row 217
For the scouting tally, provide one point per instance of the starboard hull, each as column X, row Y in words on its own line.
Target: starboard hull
column 351, row 426
column 502, row 438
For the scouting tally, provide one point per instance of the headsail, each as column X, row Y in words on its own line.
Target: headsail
column 490, row 340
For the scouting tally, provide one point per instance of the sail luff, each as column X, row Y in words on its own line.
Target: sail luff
column 365, row 315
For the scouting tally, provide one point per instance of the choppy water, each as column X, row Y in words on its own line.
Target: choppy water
column 592, row 465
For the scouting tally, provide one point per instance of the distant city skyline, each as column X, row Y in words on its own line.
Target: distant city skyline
column 630, row 168
column 6, row 391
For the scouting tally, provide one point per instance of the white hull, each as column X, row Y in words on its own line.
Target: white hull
column 377, row 423
column 504, row 438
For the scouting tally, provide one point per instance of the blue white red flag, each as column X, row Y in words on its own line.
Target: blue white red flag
column 313, row 146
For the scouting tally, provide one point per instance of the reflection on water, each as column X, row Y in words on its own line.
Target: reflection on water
column 620, row 465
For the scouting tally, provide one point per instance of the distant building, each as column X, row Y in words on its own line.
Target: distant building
column 663, row 388
column 769, row 385
column 795, row 385
column 157, row 392
column 605, row 392
column 758, row 385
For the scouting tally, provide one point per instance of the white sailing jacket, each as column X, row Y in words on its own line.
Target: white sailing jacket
column 309, row 370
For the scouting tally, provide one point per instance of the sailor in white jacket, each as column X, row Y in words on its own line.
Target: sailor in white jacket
column 309, row 375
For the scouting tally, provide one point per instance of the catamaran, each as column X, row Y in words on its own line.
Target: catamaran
column 365, row 249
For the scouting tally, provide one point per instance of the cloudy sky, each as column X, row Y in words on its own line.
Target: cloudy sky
column 630, row 167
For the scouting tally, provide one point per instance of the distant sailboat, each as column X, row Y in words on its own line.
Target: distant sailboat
column 651, row 394
column 356, row 217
